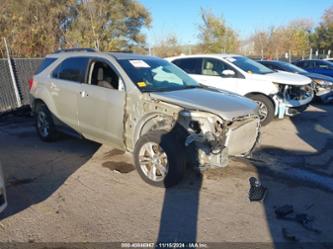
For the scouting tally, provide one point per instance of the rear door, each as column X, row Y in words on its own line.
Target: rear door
column 101, row 104
column 65, row 89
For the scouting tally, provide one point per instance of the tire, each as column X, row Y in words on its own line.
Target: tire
column 165, row 148
column 45, row 127
column 264, row 102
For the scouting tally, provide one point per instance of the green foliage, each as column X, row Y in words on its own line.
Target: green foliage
column 37, row 27
column 322, row 38
column 215, row 36
column 275, row 42
column 167, row 47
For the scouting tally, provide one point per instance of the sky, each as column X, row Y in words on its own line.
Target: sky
column 182, row 17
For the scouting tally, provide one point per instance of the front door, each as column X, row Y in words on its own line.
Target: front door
column 211, row 75
column 101, row 104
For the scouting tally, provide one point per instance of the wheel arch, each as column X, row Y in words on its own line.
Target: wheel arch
column 248, row 95
column 152, row 121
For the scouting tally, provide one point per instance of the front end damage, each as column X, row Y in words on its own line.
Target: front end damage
column 324, row 90
column 209, row 140
column 214, row 140
column 291, row 99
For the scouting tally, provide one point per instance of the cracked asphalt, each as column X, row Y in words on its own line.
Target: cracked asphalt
column 76, row 190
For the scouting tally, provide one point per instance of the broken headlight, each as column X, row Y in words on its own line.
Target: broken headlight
column 323, row 83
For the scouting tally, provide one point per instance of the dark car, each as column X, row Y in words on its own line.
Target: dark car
column 316, row 66
column 323, row 84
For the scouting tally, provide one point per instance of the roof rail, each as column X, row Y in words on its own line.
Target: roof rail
column 76, row 50
column 121, row 51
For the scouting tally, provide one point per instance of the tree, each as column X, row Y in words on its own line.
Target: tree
column 168, row 47
column 261, row 43
column 33, row 28
column 215, row 36
column 108, row 25
column 322, row 38
column 38, row 27
column 276, row 41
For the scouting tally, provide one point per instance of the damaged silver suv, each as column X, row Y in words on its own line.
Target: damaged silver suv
column 144, row 105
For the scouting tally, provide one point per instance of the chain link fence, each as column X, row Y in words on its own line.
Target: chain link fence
column 24, row 69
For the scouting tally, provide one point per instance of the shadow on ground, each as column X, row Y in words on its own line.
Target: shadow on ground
column 32, row 179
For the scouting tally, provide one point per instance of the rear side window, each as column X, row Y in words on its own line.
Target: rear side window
column 45, row 63
column 305, row 64
column 324, row 64
column 72, row 69
column 189, row 65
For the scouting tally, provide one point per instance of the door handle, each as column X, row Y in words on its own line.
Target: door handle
column 53, row 86
column 83, row 94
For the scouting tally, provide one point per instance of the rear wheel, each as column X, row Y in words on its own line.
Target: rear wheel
column 44, row 124
column 160, row 158
column 266, row 108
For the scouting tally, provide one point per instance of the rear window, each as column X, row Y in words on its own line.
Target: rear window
column 189, row 65
column 45, row 63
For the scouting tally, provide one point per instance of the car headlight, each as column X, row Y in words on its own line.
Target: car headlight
column 323, row 82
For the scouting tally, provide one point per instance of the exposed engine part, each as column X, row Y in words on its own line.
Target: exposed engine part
column 292, row 100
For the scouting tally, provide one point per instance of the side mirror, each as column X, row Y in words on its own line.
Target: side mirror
column 228, row 73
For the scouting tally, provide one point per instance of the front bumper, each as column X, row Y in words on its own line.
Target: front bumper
column 325, row 94
column 239, row 140
column 287, row 105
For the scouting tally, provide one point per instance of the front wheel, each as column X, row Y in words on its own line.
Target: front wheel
column 266, row 108
column 160, row 158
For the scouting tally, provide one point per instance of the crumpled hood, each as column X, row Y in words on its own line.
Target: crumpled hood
column 285, row 78
column 223, row 104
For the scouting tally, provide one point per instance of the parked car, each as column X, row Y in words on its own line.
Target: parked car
column 323, row 84
column 3, row 197
column 316, row 66
column 144, row 105
column 276, row 93
column 329, row 59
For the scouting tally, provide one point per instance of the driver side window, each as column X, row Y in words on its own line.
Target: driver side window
column 102, row 75
column 214, row 67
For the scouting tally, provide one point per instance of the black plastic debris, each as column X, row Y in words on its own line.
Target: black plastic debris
column 286, row 212
column 283, row 211
column 288, row 235
column 257, row 192
column 307, row 222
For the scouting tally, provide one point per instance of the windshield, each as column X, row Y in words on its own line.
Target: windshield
column 154, row 75
column 292, row 68
column 248, row 65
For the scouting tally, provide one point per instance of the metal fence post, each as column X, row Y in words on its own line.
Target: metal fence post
column 12, row 75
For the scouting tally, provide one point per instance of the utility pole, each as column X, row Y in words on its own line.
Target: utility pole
column 12, row 75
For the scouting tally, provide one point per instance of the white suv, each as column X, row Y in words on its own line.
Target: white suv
column 277, row 93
